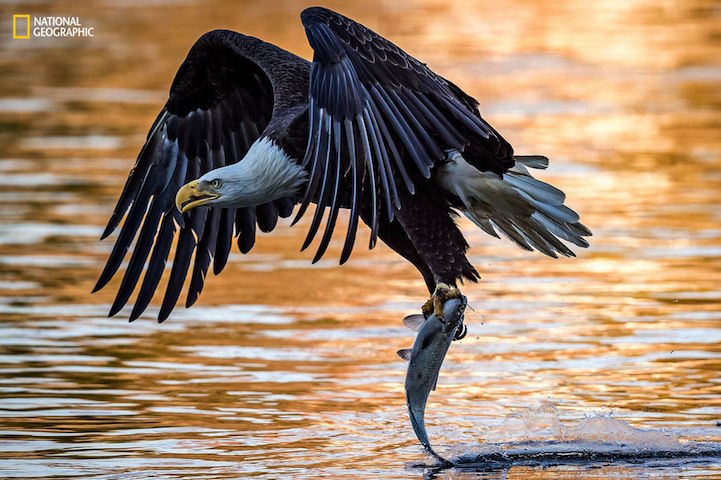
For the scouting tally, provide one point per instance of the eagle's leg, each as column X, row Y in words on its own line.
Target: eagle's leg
column 426, row 218
column 423, row 232
column 434, row 305
column 427, row 222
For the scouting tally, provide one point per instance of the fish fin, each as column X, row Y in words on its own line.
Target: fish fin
column 414, row 321
column 405, row 354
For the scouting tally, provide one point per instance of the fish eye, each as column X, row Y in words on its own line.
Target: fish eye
column 216, row 183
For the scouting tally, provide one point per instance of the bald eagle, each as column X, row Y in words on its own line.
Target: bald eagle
column 250, row 131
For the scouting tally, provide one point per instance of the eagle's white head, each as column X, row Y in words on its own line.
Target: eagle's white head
column 266, row 173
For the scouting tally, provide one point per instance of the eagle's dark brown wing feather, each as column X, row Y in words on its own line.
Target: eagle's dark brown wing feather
column 384, row 119
column 219, row 103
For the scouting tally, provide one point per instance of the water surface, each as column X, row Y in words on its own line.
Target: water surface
column 286, row 369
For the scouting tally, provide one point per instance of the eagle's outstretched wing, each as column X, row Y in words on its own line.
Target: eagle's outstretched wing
column 382, row 117
column 220, row 101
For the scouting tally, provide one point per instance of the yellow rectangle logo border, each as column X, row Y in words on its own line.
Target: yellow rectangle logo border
column 15, row 27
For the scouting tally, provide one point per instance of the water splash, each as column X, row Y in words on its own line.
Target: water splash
column 537, row 437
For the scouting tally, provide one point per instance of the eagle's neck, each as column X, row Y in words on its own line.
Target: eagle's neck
column 266, row 173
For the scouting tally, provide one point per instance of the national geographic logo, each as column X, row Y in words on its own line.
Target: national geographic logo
column 25, row 27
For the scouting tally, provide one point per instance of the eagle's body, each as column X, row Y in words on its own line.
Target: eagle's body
column 250, row 130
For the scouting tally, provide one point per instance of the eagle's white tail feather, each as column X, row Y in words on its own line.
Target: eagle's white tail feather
column 528, row 211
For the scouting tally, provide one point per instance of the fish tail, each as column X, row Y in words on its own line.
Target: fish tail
column 419, row 428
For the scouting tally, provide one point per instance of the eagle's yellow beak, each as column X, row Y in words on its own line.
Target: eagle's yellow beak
column 193, row 195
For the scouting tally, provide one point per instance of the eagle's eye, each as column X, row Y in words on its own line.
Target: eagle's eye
column 216, row 183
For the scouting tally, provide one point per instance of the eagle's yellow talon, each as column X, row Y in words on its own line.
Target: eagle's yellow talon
column 427, row 308
column 438, row 306
column 434, row 305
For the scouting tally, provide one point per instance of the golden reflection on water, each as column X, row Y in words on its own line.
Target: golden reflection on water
column 264, row 380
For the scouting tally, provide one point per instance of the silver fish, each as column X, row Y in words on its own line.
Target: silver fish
column 425, row 359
